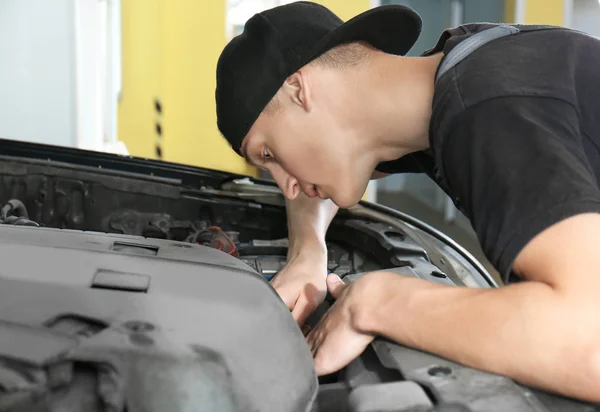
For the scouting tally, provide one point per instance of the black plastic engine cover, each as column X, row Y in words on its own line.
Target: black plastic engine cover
column 167, row 325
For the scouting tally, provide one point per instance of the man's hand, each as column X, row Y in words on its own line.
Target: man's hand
column 301, row 285
column 543, row 332
column 342, row 333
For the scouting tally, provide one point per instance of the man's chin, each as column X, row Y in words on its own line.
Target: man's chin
column 345, row 203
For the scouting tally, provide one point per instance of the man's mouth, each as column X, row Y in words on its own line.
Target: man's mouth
column 320, row 193
column 312, row 191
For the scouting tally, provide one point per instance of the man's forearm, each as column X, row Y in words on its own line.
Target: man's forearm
column 308, row 221
column 302, row 282
column 526, row 331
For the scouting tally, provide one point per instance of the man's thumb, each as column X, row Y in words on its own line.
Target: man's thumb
column 335, row 285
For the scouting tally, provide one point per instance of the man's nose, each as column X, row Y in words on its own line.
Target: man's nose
column 286, row 182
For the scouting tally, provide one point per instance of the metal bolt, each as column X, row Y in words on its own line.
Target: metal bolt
column 138, row 326
column 437, row 274
column 440, row 371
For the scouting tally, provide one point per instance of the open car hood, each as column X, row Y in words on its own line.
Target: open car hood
column 138, row 285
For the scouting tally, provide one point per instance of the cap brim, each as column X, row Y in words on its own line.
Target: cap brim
column 393, row 29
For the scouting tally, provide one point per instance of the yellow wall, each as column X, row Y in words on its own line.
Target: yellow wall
column 509, row 11
column 544, row 12
column 346, row 9
column 170, row 52
column 141, row 59
column 194, row 39
column 537, row 11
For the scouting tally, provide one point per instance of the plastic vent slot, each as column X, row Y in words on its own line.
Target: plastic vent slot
column 132, row 248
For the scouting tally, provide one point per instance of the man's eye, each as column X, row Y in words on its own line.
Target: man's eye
column 266, row 154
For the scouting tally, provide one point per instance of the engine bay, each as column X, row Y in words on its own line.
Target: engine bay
column 112, row 246
column 266, row 256
column 34, row 194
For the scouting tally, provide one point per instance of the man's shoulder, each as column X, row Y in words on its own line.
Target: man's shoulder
column 543, row 63
column 531, row 63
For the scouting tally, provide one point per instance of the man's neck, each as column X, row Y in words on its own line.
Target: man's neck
column 401, row 95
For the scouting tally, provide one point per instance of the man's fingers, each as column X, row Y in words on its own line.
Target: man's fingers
column 314, row 337
column 337, row 348
column 335, row 285
column 303, row 309
column 326, row 360
column 287, row 295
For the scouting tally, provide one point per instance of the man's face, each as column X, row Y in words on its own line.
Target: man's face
column 311, row 143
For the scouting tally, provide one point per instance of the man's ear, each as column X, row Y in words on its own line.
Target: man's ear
column 297, row 88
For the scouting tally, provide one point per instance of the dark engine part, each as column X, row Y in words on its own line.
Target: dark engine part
column 159, row 225
column 60, row 196
column 163, row 226
column 15, row 213
column 271, row 256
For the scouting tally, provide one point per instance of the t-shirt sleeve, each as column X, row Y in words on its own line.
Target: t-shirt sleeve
column 517, row 165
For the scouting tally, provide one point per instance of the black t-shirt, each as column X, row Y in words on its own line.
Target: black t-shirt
column 515, row 135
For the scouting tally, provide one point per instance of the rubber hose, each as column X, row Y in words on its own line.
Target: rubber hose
column 22, row 221
column 18, row 208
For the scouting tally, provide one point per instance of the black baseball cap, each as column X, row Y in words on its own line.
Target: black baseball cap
column 278, row 42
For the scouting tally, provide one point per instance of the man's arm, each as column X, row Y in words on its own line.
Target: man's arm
column 301, row 284
column 544, row 332
column 308, row 220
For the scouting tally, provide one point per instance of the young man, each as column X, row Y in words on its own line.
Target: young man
column 512, row 133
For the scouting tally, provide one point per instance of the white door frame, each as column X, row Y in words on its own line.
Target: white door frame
column 568, row 13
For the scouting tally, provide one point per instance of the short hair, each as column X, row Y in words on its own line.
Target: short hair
column 273, row 106
column 338, row 58
column 345, row 55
